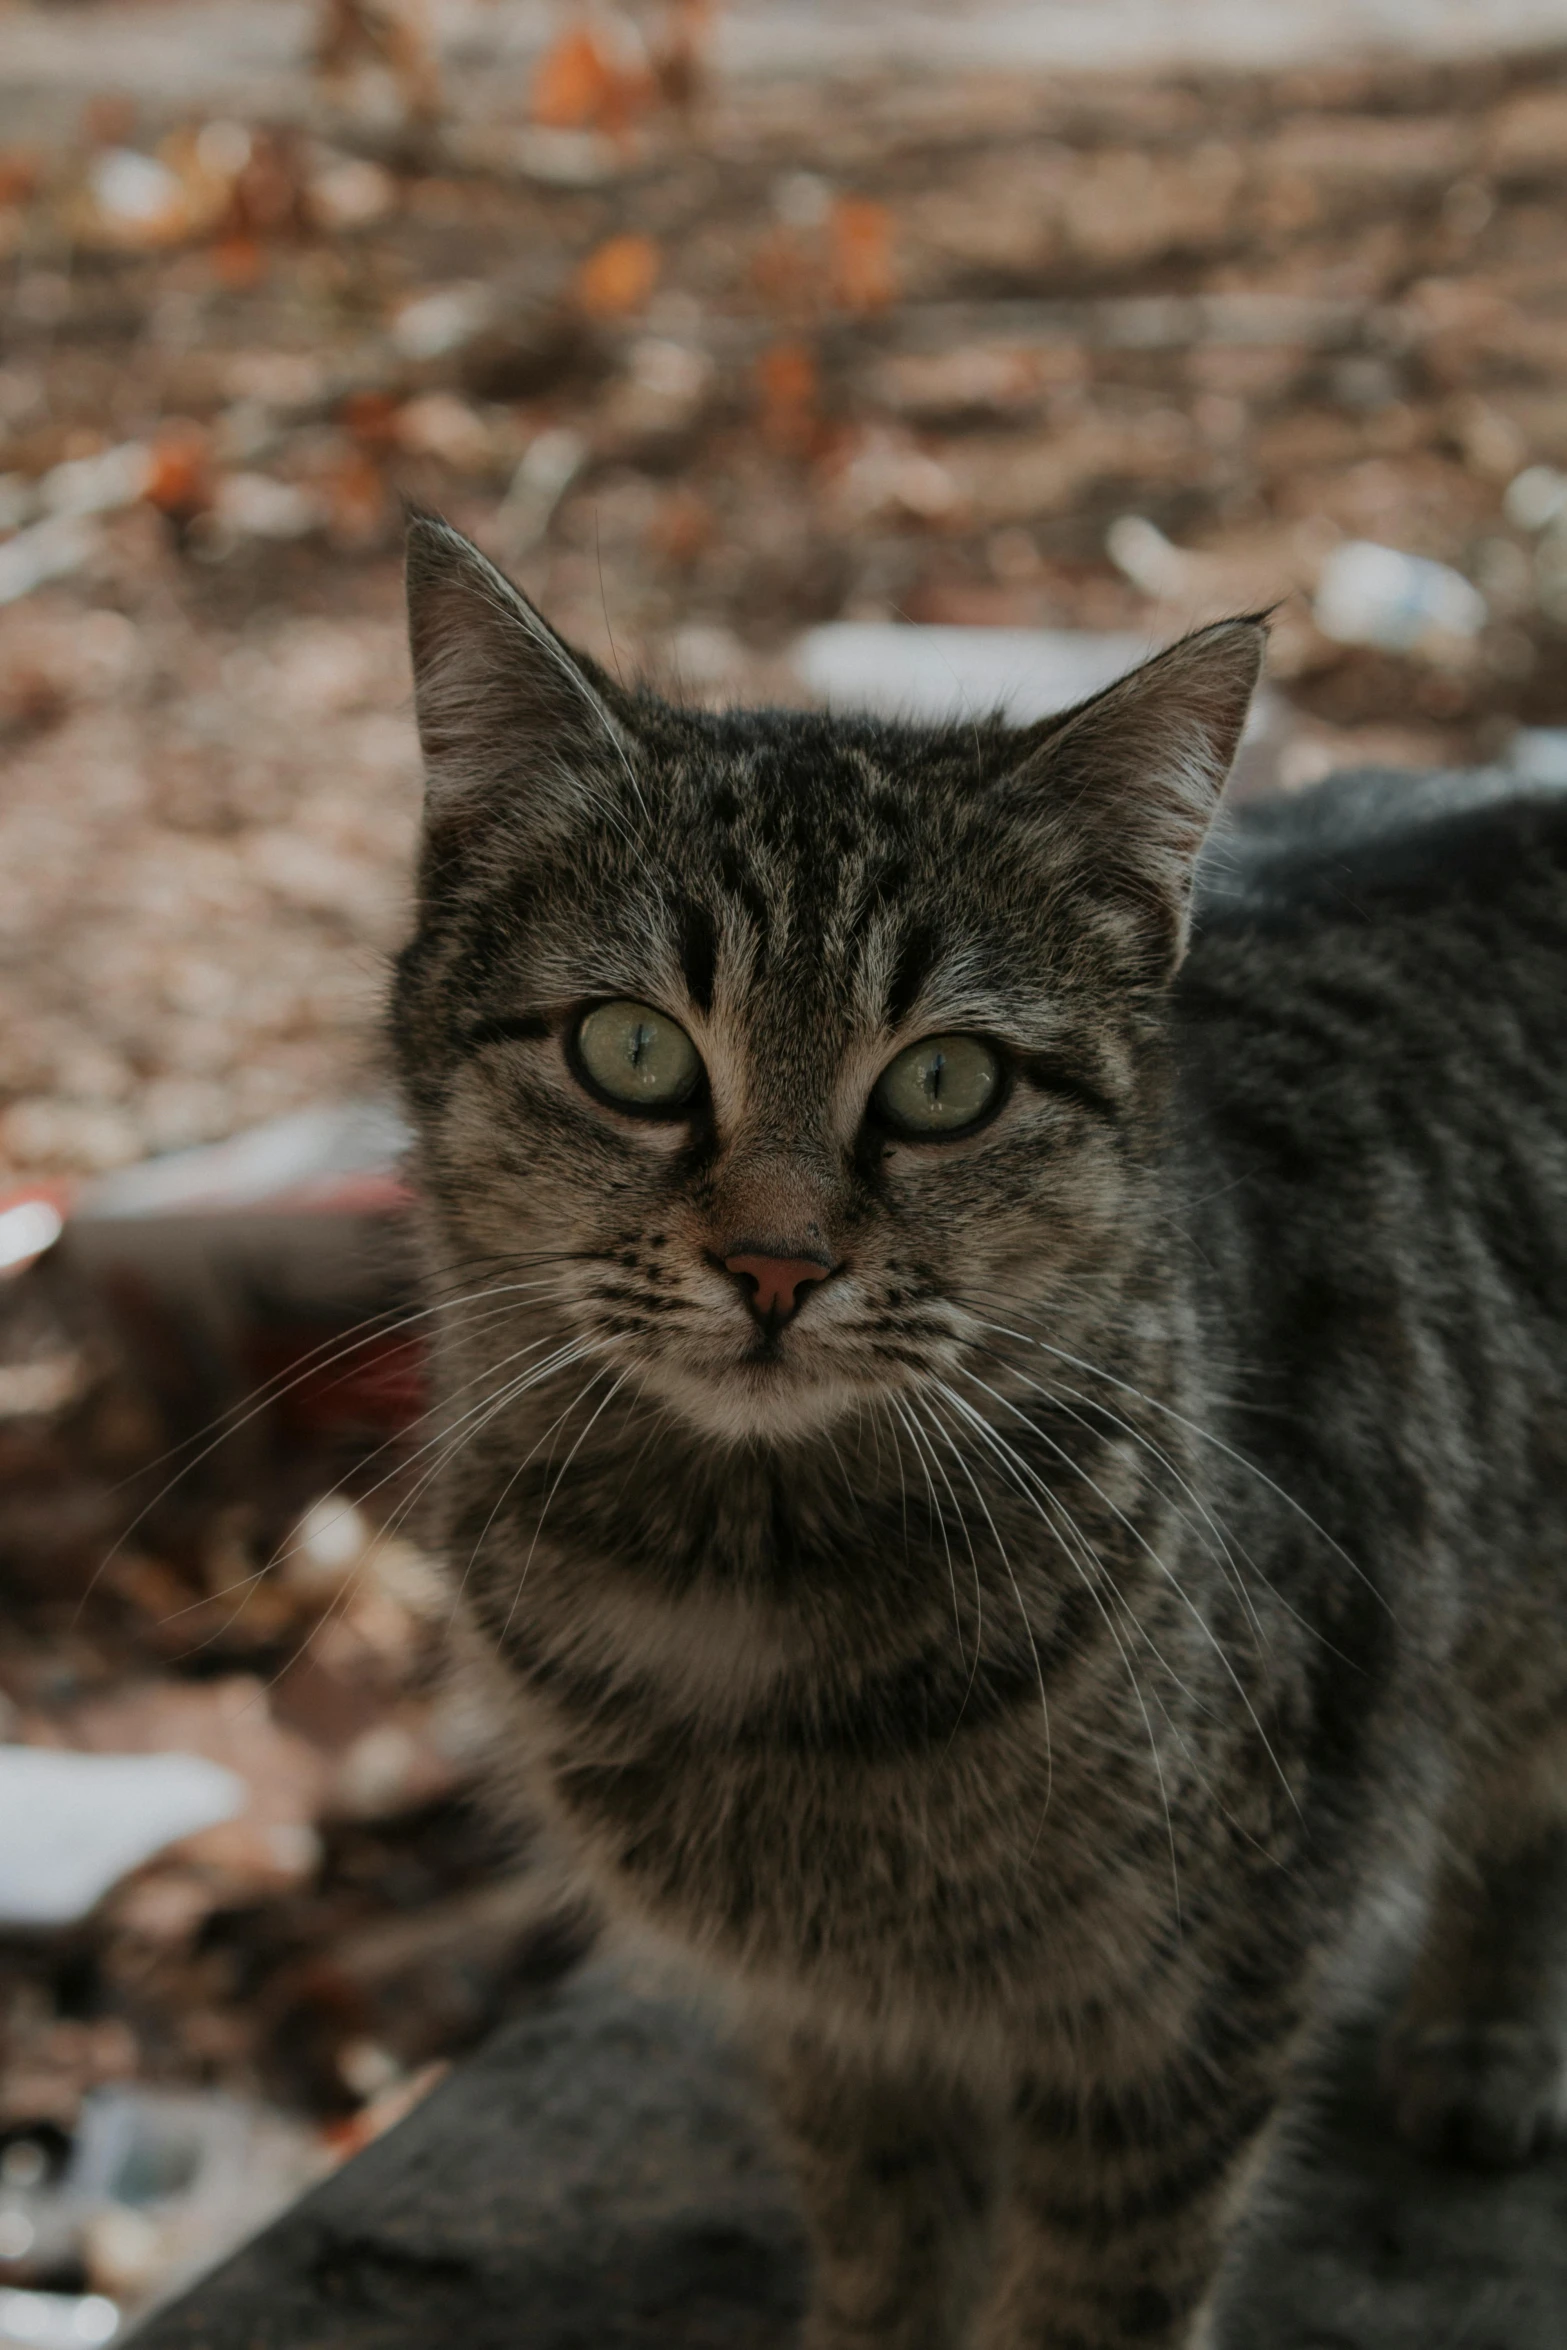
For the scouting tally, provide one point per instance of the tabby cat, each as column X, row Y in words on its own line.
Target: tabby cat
column 1005, row 1406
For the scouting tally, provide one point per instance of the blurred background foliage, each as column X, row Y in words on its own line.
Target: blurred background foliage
column 714, row 325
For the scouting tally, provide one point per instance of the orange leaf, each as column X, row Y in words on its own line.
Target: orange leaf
column 787, row 382
column 618, row 277
column 682, row 529
column 20, row 171
column 237, row 262
column 571, row 82
column 371, row 418
column 581, row 85
column 863, row 273
column 178, row 479
column 355, row 496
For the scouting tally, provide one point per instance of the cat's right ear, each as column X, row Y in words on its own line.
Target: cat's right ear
column 513, row 724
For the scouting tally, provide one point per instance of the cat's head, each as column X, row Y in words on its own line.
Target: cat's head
column 789, row 1051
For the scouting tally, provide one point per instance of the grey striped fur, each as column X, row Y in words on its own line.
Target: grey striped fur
column 1018, row 1681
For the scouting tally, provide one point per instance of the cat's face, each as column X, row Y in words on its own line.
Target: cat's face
column 793, row 1050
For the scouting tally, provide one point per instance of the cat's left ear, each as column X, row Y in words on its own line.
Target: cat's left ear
column 512, row 722
column 1120, row 792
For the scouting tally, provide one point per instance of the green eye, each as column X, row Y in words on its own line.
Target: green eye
column 939, row 1086
column 638, row 1057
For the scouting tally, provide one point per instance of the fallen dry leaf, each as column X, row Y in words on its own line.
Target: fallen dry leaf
column 788, row 389
column 20, row 172
column 860, row 234
column 581, row 84
column 238, row 263
column 179, row 475
column 618, row 277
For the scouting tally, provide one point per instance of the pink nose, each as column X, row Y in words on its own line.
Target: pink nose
column 773, row 1285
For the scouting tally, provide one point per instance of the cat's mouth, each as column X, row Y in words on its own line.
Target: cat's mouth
column 759, row 1397
column 774, row 1380
column 766, row 1350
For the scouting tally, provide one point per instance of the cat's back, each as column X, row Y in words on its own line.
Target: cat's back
column 1384, row 931
column 1376, row 845
column 1371, row 1053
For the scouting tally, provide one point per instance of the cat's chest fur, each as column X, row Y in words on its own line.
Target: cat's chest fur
column 874, row 1785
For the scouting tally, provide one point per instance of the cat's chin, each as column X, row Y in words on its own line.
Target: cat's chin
column 755, row 1402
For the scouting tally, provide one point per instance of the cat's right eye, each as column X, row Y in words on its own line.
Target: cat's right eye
column 637, row 1058
column 940, row 1086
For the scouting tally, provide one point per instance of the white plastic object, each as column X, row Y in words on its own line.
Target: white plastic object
column 1537, row 753
column 1535, row 498
column 300, row 1158
column 329, row 1541
column 1141, row 553
column 47, row 550
column 57, row 2321
column 907, row 671
column 1373, row 595
column 26, row 1230
column 432, row 324
column 135, row 191
column 104, row 484
column 71, row 1825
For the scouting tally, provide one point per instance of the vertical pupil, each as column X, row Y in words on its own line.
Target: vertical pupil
column 933, row 1076
column 641, row 1038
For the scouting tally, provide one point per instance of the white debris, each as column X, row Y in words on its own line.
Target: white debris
column 103, row 484
column 889, row 474
column 1141, row 553
column 26, row 1230
column 48, row 550
column 1373, row 595
column 254, row 505
column 56, row 2321
column 959, row 673
column 674, row 370
column 352, row 194
column 551, row 462
column 18, row 500
column 433, row 324
column 1537, row 754
column 1535, row 498
column 802, row 199
column 441, row 425
column 224, row 148
column 559, row 157
column 327, row 1545
column 71, row 1825
column 136, row 194
column 549, row 466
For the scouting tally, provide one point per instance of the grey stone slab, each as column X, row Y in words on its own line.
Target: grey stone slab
column 599, row 2179
column 595, row 2180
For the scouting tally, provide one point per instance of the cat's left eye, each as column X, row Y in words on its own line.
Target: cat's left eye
column 942, row 1085
column 638, row 1058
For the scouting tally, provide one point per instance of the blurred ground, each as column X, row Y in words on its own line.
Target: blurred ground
column 705, row 360
column 709, row 348
column 604, row 2174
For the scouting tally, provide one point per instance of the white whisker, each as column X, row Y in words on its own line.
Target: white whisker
column 905, row 1411
column 1025, row 1477
column 597, row 1412
column 1141, row 1539
column 1205, row 1435
column 1028, row 1629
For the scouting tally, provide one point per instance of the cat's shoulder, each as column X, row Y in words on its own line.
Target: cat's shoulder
column 1362, row 842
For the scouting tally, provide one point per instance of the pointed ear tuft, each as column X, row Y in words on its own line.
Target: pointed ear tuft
column 509, row 717
column 1126, row 785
